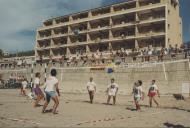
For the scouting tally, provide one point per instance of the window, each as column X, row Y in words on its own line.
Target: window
column 174, row 3
column 168, row 26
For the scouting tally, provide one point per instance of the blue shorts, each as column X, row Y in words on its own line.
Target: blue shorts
column 49, row 95
column 110, row 70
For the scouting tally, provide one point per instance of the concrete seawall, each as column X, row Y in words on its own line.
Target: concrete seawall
column 169, row 77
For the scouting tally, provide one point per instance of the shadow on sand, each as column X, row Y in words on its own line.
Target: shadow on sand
column 176, row 108
column 131, row 109
column 39, row 105
column 95, row 102
column 169, row 125
column 48, row 111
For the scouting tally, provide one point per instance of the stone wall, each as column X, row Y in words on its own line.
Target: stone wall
column 74, row 80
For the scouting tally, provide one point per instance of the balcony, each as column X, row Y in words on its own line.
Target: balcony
column 152, row 14
column 60, row 20
column 123, row 19
column 174, row 3
column 100, row 24
column 148, row 2
column 100, row 36
column 43, row 44
column 123, row 44
column 48, row 23
column 60, row 41
column 151, row 41
column 59, row 32
column 80, row 16
column 125, row 6
column 123, row 33
column 94, row 48
column 78, row 50
column 151, row 29
column 77, row 29
column 42, row 35
column 101, row 11
column 78, row 39
column 58, row 52
column 45, row 54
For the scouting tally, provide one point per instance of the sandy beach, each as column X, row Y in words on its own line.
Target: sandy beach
column 76, row 111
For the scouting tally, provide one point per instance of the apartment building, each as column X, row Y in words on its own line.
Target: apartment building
column 127, row 25
column 17, row 61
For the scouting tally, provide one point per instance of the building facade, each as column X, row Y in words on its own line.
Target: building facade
column 128, row 25
column 16, row 61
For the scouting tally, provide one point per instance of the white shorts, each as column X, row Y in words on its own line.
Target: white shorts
column 24, row 87
column 112, row 94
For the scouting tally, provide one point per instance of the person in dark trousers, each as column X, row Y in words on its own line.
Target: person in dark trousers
column 91, row 87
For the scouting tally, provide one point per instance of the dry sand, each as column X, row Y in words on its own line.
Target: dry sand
column 76, row 111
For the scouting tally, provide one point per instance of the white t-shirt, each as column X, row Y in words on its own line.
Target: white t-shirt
column 112, row 88
column 165, row 52
column 50, row 84
column 153, row 88
column 97, row 56
column 78, row 58
column 149, row 52
column 91, row 86
column 24, row 84
column 36, row 82
column 137, row 91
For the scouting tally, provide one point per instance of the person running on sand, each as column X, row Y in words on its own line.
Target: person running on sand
column 138, row 94
column 24, row 86
column 51, row 87
column 112, row 90
column 38, row 92
column 91, row 87
column 152, row 92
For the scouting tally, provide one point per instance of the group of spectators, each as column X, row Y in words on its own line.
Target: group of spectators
column 122, row 56
column 15, row 81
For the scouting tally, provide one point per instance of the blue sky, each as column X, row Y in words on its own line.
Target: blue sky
column 20, row 18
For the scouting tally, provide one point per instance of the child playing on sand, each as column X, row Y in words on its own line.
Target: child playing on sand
column 138, row 94
column 91, row 87
column 152, row 92
column 112, row 90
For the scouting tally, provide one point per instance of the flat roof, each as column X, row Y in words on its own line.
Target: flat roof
column 93, row 9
